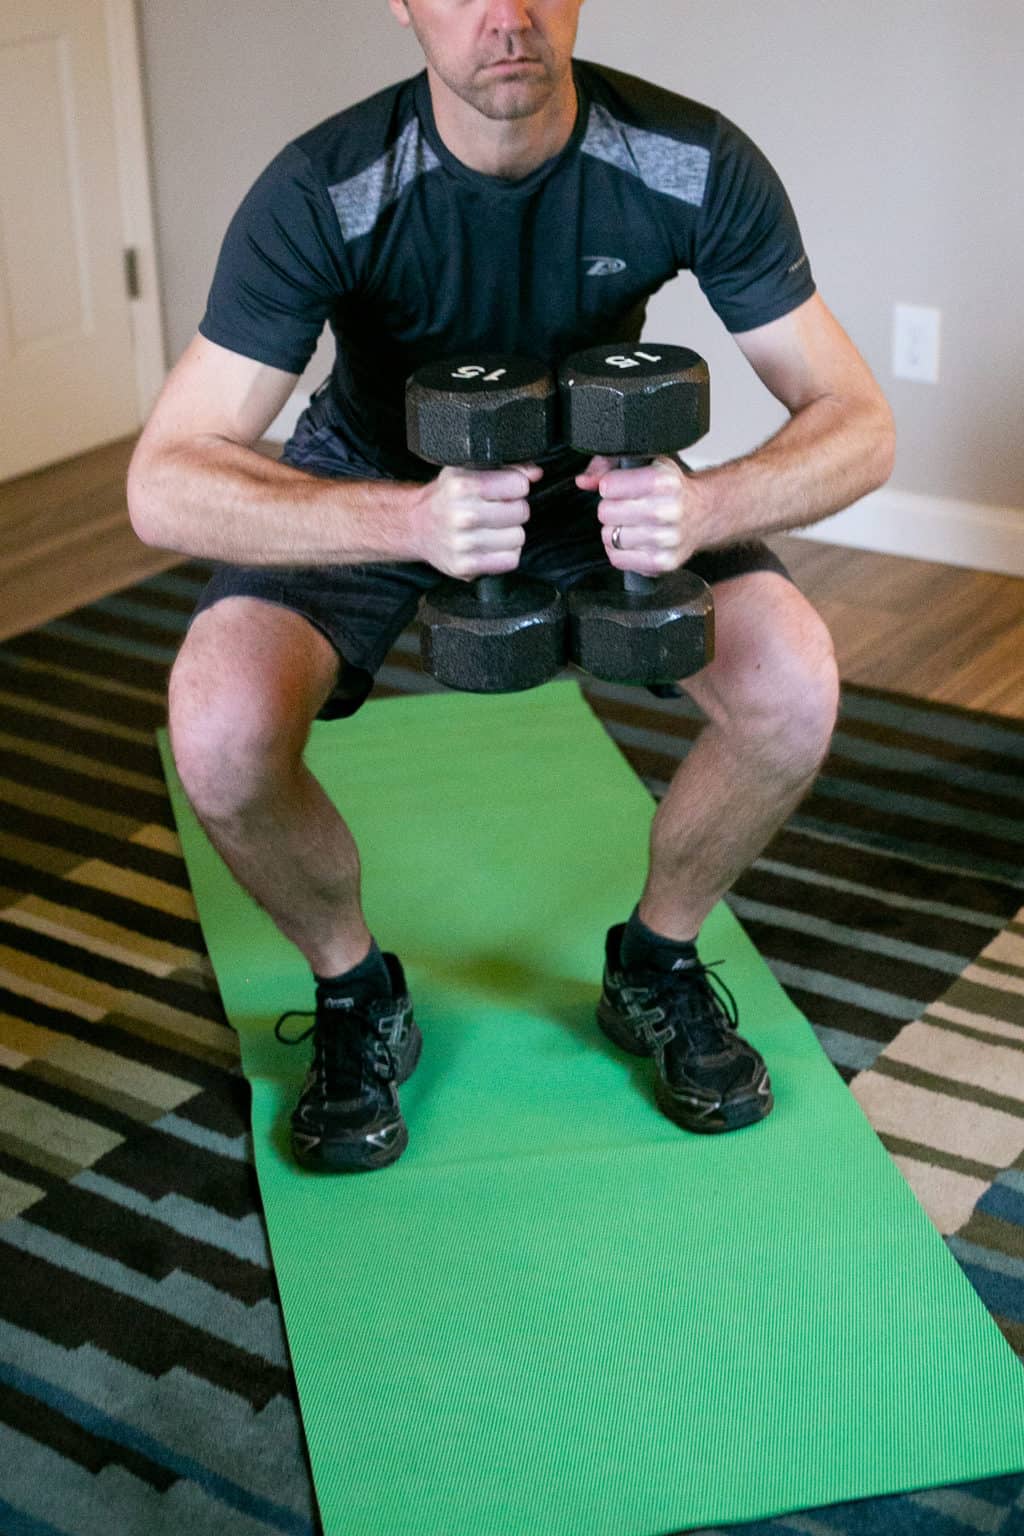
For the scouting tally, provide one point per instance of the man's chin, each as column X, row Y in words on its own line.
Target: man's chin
column 509, row 99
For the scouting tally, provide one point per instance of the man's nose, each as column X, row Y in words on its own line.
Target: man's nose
column 509, row 15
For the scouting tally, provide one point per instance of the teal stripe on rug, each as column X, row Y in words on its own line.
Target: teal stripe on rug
column 249, row 1328
column 875, row 754
column 173, row 584
column 243, row 1237
column 105, row 1425
column 111, row 1501
column 871, row 999
column 17, row 1522
column 143, row 613
column 872, row 754
column 918, row 851
column 879, row 894
column 64, row 629
column 958, row 727
column 239, row 1148
column 846, row 1050
column 267, row 1443
column 849, row 938
column 987, row 1258
column 834, row 787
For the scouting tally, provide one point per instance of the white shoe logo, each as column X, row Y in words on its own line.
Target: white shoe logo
column 604, row 266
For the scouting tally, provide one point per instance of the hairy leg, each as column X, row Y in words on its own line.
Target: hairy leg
column 770, row 697
column 244, row 691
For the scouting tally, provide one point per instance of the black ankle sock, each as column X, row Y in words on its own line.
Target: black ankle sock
column 644, row 950
column 369, row 978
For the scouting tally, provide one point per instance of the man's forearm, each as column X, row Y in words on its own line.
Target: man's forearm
column 214, row 499
column 827, row 456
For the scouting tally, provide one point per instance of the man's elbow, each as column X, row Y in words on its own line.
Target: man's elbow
column 881, row 440
column 144, row 501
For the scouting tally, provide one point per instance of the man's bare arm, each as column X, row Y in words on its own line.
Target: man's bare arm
column 836, row 447
column 196, row 484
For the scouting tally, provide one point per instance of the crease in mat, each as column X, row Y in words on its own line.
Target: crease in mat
column 558, row 1314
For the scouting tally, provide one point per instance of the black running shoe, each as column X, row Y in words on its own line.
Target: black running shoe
column 709, row 1078
column 348, row 1116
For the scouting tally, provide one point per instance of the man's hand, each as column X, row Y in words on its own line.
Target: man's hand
column 471, row 522
column 658, row 510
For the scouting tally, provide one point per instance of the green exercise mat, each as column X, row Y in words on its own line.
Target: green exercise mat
column 558, row 1314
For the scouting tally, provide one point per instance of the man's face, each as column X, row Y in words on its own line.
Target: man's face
column 505, row 58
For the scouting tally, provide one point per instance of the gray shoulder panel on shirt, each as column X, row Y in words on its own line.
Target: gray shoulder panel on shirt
column 664, row 164
column 360, row 201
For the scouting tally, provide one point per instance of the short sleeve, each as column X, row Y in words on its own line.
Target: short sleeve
column 750, row 260
column 281, row 268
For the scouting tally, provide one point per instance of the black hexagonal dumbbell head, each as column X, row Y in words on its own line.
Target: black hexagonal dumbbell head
column 498, row 634
column 630, row 402
column 635, row 400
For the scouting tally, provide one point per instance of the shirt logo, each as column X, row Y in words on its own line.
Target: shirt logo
column 603, row 266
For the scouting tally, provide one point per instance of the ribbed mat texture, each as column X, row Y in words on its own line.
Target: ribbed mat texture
column 558, row 1314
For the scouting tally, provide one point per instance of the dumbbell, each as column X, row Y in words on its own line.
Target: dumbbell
column 632, row 402
column 497, row 634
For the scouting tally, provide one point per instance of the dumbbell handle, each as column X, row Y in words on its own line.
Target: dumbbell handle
column 632, row 581
column 490, row 589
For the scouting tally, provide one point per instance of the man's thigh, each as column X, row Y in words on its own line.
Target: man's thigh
column 251, row 668
column 360, row 610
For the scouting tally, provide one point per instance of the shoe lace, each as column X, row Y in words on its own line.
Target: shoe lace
column 341, row 1069
column 295, row 1013
column 702, row 1008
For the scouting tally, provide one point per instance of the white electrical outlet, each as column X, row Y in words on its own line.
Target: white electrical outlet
column 915, row 343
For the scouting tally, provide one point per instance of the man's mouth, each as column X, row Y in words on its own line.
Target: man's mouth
column 506, row 64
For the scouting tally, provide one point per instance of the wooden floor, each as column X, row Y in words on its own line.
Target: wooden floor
column 65, row 538
column 951, row 635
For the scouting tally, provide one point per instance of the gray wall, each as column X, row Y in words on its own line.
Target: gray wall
column 896, row 128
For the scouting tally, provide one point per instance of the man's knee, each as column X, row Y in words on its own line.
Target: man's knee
column 774, row 677
column 240, row 703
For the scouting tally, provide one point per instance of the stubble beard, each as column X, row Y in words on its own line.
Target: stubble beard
column 505, row 99
column 501, row 104
column 512, row 98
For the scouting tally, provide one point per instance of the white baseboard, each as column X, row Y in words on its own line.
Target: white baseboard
column 964, row 533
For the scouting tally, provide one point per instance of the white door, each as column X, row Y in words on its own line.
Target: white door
column 67, row 364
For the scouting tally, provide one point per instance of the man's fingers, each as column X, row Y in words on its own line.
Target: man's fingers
column 487, row 552
column 506, row 484
column 647, row 516
column 493, row 514
column 590, row 478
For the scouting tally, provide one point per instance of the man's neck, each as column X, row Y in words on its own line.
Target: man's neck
column 508, row 148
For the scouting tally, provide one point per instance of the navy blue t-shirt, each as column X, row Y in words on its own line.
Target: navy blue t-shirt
column 370, row 224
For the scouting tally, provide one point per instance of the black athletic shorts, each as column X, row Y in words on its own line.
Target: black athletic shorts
column 362, row 609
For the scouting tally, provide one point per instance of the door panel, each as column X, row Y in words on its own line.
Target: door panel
column 67, row 372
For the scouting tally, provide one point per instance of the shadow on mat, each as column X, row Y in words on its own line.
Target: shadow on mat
column 500, row 979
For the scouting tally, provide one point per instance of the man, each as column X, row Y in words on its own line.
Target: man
column 509, row 199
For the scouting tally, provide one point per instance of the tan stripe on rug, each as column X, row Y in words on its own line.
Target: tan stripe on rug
column 971, row 1039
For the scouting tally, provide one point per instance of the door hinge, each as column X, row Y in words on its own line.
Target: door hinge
column 131, row 272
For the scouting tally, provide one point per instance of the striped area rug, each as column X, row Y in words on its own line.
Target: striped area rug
column 144, row 1379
